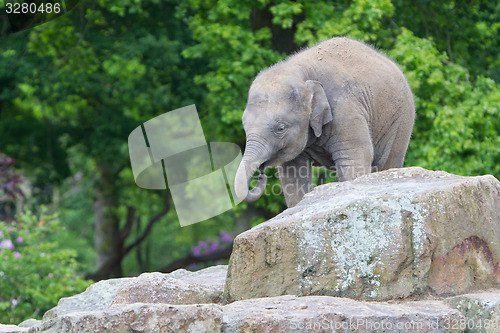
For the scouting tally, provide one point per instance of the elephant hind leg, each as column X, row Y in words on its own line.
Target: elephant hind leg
column 384, row 154
column 391, row 151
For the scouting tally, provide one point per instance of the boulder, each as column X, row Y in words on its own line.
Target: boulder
column 178, row 287
column 401, row 233
column 161, row 288
column 98, row 296
column 333, row 314
column 139, row 317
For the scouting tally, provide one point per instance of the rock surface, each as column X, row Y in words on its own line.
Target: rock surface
column 140, row 317
column 334, row 314
column 13, row 329
column 160, row 288
column 30, row 323
column 481, row 310
column 404, row 234
column 469, row 313
column 98, row 296
column 214, row 276
column 104, row 304
column 400, row 233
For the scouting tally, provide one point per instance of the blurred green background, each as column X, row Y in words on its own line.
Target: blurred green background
column 72, row 89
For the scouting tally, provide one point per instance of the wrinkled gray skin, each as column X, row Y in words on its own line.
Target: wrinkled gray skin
column 339, row 104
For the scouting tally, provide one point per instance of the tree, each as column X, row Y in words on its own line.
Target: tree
column 9, row 180
column 99, row 72
column 10, row 187
column 457, row 129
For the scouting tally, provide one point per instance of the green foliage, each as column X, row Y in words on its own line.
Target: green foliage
column 358, row 19
column 235, row 55
column 466, row 30
column 34, row 272
column 98, row 72
column 32, row 141
column 283, row 13
column 74, row 209
column 83, row 82
column 457, row 127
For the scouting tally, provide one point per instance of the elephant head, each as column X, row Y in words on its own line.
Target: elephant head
column 281, row 114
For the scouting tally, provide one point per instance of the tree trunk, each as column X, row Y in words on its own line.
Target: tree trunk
column 243, row 220
column 282, row 40
column 107, row 241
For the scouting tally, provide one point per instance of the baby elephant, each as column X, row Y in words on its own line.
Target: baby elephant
column 339, row 104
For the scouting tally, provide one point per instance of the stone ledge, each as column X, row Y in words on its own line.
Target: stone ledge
column 479, row 312
column 334, row 314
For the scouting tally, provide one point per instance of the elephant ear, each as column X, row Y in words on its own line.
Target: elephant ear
column 321, row 113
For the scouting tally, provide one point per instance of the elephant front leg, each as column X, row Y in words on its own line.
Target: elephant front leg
column 353, row 150
column 295, row 177
column 357, row 163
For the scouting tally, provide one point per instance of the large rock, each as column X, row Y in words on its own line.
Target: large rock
column 160, row 288
column 400, row 233
column 333, row 314
column 103, row 304
column 178, row 287
column 139, row 317
column 98, row 296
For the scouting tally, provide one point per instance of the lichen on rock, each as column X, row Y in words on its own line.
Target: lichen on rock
column 385, row 235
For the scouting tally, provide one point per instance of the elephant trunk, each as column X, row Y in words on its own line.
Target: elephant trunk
column 249, row 164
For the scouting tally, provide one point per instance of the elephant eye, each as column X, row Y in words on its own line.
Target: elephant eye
column 280, row 128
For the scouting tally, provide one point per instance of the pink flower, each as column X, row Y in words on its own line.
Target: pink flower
column 196, row 250
column 17, row 255
column 19, row 239
column 50, row 275
column 6, row 244
column 226, row 237
column 214, row 247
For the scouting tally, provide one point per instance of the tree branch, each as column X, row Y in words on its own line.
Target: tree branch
column 151, row 222
column 121, row 168
column 223, row 253
column 129, row 222
column 103, row 272
column 448, row 45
